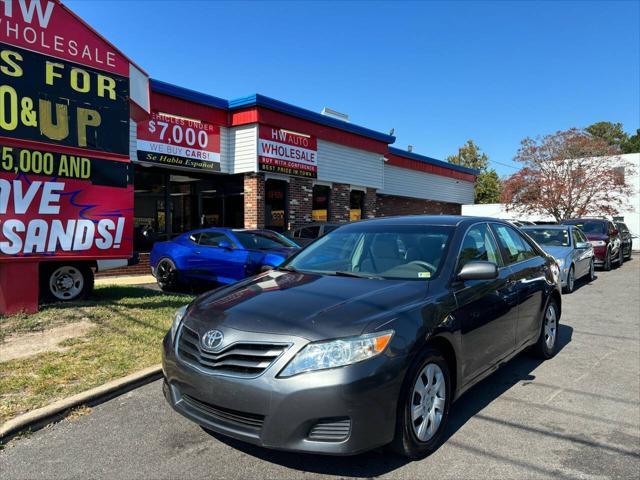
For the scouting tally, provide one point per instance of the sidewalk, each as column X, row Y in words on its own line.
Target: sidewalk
column 126, row 280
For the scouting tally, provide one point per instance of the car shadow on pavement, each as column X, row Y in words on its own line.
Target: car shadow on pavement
column 381, row 461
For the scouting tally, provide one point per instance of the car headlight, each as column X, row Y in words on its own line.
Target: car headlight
column 555, row 271
column 598, row 243
column 177, row 320
column 337, row 353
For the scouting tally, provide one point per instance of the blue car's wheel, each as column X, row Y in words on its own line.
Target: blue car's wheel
column 167, row 274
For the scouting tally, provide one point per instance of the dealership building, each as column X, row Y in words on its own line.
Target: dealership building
column 256, row 162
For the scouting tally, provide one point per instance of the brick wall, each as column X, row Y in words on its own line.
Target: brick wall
column 370, row 203
column 300, row 201
column 141, row 268
column 389, row 205
column 253, row 200
column 340, row 203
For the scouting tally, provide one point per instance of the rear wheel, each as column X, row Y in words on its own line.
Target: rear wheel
column 62, row 282
column 167, row 274
column 620, row 256
column 424, row 406
column 571, row 280
column 628, row 255
column 547, row 345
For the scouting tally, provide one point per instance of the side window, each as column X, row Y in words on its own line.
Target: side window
column 310, row 232
column 213, row 239
column 479, row 245
column 514, row 245
column 194, row 237
column 581, row 236
column 575, row 235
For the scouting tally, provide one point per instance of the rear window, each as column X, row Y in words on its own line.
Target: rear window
column 589, row 226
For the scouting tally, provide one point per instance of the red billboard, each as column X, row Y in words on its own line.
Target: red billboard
column 178, row 141
column 65, row 174
column 287, row 152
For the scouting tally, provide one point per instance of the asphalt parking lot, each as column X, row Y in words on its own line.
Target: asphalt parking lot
column 576, row 416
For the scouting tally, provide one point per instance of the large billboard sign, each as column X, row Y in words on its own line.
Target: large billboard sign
column 65, row 174
column 177, row 141
column 287, row 152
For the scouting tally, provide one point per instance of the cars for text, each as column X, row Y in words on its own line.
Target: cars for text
column 626, row 237
column 604, row 237
column 365, row 337
column 570, row 248
column 219, row 255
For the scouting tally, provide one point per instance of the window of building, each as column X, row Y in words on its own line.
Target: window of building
column 321, row 196
column 356, row 205
column 275, row 205
column 149, row 211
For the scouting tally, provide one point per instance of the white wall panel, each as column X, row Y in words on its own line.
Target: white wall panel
column 416, row 184
column 243, row 149
column 340, row 164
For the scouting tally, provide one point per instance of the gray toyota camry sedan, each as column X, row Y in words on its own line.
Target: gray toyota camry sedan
column 365, row 338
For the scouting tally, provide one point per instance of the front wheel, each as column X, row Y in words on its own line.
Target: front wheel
column 571, row 280
column 424, row 406
column 167, row 274
column 62, row 282
column 547, row 345
column 592, row 271
column 607, row 261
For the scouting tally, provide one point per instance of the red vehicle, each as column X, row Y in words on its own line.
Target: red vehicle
column 605, row 238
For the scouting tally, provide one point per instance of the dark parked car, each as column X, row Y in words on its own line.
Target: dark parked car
column 569, row 247
column 365, row 337
column 219, row 255
column 626, row 238
column 303, row 236
column 604, row 237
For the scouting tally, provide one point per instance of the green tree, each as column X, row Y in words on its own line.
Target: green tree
column 488, row 186
column 610, row 132
column 632, row 144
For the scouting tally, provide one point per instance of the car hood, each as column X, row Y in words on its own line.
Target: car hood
column 315, row 307
column 557, row 252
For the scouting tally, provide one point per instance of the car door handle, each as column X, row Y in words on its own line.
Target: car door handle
column 197, row 252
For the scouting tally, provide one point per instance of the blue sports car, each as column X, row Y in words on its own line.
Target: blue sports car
column 220, row 255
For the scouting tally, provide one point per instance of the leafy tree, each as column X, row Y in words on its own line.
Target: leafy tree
column 632, row 144
column 568, row 174
column 487, row 187
column 612, row 133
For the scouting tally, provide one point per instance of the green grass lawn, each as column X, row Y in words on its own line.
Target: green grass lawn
column 129, row 324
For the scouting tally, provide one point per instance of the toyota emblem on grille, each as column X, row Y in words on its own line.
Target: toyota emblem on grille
column 212, row 340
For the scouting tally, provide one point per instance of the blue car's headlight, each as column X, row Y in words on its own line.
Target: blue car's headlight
column 177, row 320
column 337, row 353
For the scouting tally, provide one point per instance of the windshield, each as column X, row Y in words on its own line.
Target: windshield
column 262, row 240
column 555, row 237
column 408, row 252
column 590, row 226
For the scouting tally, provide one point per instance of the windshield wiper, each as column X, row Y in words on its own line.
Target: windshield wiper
column 357, row 275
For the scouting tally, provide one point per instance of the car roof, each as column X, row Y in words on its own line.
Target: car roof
column 547, row 227
column 443, row 220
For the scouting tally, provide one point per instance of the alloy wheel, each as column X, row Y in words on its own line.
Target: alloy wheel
column 66, row 282
column 428, row 402
column 592, row 270
column 165, row 272
column 570, row 280
column 550, row 327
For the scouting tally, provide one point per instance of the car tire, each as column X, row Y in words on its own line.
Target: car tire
column 571, row 280
column 65, row 282
column 607, row 261
column 592, row 271
column 620, row 256
column 628, row 256
column 428, row 383
column 547, row 345
column 167, row 274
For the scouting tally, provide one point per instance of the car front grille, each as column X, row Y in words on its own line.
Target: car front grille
column 216, row 414
column 240, row 359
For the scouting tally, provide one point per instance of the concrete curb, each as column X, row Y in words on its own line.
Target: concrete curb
column 40, row 417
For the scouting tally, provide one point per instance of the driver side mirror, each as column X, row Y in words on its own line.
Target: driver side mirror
column 225, row 245
column 479, row 270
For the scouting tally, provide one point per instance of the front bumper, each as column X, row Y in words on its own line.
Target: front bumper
column 281, row 413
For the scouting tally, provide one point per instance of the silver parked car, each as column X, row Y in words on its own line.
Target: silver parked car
column 569, row 247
